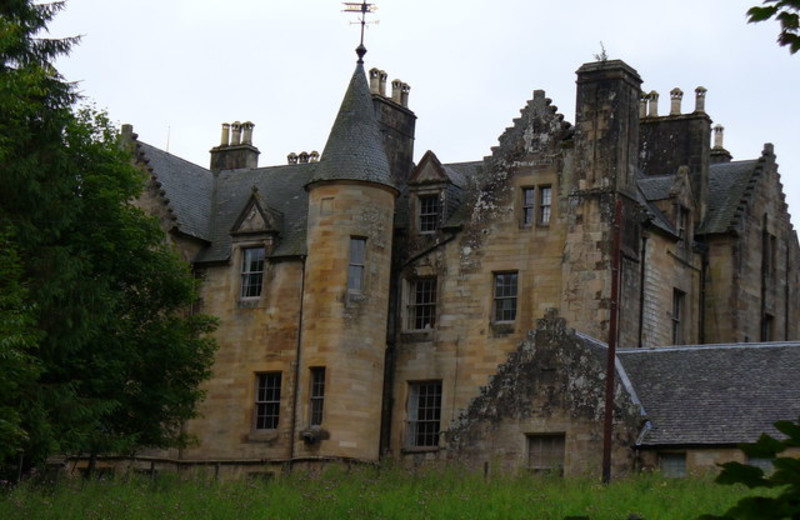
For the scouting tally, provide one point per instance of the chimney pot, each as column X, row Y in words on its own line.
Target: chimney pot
column 405, row 88
column 313, row 156
column 374, row 80
column 382, row 77
column 292, row 158
column 396, row 88
column 303, row 157
column 247, row 133
column 676, row 95
column 718, row 136
column 653, row 104
column 700, row 99
column 236, row 137
column 226, row 131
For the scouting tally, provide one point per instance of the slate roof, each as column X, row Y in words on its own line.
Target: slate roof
column 728, row 185
column 355, row 149
column 280, row 188
column 656, row 187
column 187, row 187
column 714, row 394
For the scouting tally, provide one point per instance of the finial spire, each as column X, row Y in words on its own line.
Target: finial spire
column 363, row 8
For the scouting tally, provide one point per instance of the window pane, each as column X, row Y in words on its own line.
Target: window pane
column 424, row 413
column 317, row 395
column 505, row 296
column 355, row 270
column 527, row 205
column 268, row 398
column 252, row 272
column 428, row 213
column 544, row 205
column 422, row 304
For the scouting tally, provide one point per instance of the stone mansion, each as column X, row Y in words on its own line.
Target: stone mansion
column 372, row 307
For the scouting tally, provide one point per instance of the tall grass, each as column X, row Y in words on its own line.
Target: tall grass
column 370, row 493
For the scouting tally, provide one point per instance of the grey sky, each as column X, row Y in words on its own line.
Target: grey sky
column 177, row 69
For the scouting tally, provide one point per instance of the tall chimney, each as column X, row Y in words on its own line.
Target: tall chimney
column 653, row 103
column 675, row 95
column 374, row 81
column 700, row 99
column 247, row 133
column 226, row 132
column 236, row 137
column 382, row 77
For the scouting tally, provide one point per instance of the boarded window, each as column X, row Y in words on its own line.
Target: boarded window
column 672, row 464
column 546, row 452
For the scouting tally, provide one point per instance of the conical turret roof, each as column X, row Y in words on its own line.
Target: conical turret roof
column 355, row 149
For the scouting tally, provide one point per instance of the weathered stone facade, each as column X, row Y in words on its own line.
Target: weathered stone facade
column 395, row 310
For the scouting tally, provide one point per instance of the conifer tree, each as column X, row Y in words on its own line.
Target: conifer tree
column 115, row 354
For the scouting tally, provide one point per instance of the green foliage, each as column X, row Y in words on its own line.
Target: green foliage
column 785, row 479
column 108, row 355
column 370, row 493
column 785, row 12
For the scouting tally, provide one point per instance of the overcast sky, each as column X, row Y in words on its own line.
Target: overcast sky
column 178, row 69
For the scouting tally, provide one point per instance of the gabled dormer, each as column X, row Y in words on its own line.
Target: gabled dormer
column 254, row 237
column 258, row 225
column 427, row 188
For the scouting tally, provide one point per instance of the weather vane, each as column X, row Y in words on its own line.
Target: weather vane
column 363, row 8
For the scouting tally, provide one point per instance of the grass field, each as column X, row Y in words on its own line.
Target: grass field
column 368, row 493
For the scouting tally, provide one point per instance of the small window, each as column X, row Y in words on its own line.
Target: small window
column 672, row 465
column 546, row 452
column 422, row 303
column 355, row 270
column 428, row 213
column 317, row 399
column 681, row 221
column 424, row 413
column 252, row 272
column 528, row 198
column 505, row 297
column 268, row 400
column 678, row 308
column 545, row 196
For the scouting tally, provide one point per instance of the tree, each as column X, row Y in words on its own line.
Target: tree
column 784, row 11
column 786, row 478
column 116, row 354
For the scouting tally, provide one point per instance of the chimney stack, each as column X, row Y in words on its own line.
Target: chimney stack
column 235, row 150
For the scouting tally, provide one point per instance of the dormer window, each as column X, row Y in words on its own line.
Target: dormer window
column 252, row 272
column 428, row 206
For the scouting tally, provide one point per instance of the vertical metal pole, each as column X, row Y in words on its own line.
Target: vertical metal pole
column 612, row 342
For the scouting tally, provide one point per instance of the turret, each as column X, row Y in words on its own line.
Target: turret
column 346, row 297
